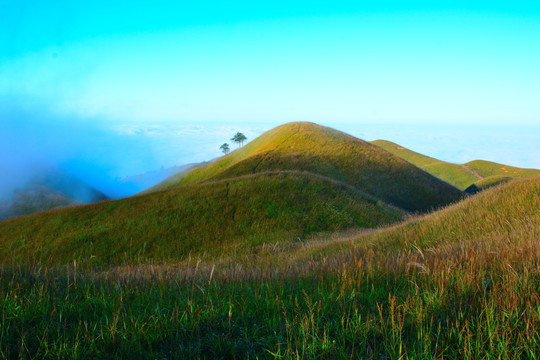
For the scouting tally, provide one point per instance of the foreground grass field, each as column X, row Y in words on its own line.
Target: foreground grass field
column 460, row 283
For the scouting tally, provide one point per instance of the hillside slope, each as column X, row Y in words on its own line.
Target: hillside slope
column 303, row 146
column 489, row 168
column 482, row 174
column 509, row 213
column 212, row 219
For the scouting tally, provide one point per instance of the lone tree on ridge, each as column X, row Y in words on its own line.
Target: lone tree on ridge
column 239, row 138
column 225, row 148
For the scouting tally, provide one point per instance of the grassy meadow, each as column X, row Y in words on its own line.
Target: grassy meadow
column 459, row 283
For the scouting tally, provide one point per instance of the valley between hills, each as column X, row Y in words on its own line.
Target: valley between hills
column 304, row 243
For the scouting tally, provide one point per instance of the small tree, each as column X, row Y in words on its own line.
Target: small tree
column 239, row 138
column 225, row 148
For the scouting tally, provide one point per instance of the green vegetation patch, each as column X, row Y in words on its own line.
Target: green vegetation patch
column 488, row 168
column 454, row 174
column 461, row 283
column 506, row 212
column 492, row 181
column 212, row 219
column 481, row 173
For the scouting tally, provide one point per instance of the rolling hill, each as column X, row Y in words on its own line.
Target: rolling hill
column 295, row 180
column 197, row 219
column 509, row 213
column 482, row 174
column 303, row 146
column 488, row 168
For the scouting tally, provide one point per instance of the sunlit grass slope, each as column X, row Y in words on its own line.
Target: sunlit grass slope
column 460, row 283
column 297, row 179
column 211, row 218
column 492, row 181
column 481, row 173
column 303, row 146
column 488, row 168
column 507, row 213
column 454, row 174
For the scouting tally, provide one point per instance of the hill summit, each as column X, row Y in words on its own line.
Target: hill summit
column 308, row 147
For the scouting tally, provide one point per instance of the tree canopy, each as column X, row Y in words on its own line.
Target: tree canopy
column 225, row 148
column 239, row 138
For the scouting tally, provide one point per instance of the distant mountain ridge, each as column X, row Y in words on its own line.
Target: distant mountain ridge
column 472, row 176
column 49, row 188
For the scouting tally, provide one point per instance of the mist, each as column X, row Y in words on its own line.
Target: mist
column 33, row 142
column 108, row 155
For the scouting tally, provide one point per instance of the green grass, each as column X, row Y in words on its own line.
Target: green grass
column 492, row 181
column 454, row 174
column 482, row 173
column 302, row 146
column 507, row 212
column 253, row 256
column 211, row 218
column 488, row 168
column 460, row 283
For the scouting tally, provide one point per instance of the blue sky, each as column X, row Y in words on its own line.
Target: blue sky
column 104, row 66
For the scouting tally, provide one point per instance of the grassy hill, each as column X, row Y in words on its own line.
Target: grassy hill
column 488, row 169
column 295, row 180
column 482, row 174
column 303, row 146
column 506, row 213
column 210, row 218
column 454, row 174
column 459, row 283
